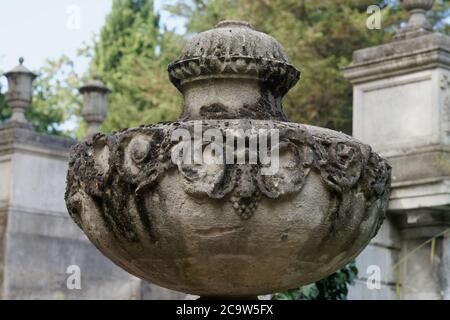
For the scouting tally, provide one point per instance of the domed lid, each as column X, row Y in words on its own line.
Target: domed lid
column 21, row 69
column 95, row 85
column 234, row 49
column 417, row 4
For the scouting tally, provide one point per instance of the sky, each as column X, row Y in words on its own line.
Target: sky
column 38, row 30
column 46, row 29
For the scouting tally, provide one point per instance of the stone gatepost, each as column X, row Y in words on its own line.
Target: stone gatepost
column 95, row 105
column 402, row 108
column 41, row 248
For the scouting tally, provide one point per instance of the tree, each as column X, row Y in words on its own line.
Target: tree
column 319, row 37
column 131, row 56
column 55, row 97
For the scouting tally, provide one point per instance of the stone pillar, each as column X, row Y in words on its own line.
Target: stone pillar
column 402, row 108
column 95, row 105
column 38, row 239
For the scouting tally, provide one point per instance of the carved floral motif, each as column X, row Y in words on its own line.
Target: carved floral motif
column 138, row 158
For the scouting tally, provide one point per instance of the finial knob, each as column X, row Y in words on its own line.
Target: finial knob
column 21, row 60
column 418, row 23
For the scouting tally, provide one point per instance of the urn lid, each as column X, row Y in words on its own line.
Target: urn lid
column 21, row 69
column 95, row 85
column 417, row 4
column 234, row 49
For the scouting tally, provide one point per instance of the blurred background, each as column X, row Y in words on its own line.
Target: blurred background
column 129, row 44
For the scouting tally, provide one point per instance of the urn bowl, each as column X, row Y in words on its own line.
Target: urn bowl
column 217, row 229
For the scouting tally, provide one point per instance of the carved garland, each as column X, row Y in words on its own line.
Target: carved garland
column 137, row 158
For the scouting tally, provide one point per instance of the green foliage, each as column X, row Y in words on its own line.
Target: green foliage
column 130, row 30
column 333, row 287
column 54, row 97
column 131, row 56
column 319, row 37
column 4, row 110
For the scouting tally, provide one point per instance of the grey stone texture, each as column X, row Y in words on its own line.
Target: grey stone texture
column 220, row 229
column 401, row 108
column 233, row 50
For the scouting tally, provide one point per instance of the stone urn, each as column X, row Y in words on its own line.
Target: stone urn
column 232, row 200
column 418, row 23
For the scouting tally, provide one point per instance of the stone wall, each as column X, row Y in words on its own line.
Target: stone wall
column 401, row 93
column 39, row 240
column 382, row 252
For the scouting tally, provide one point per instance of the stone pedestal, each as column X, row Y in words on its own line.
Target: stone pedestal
column 38, row 240
column 402, row 108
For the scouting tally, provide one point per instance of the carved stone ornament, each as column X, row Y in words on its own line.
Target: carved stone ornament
column 225, row 229
column 418, row 24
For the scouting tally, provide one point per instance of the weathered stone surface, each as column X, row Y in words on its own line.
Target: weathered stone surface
column 38, row 239
column 418, row 24
column 95, row 104
column 2, row 247
column 221, row 229
column 360, row 292
column 381, row 255
column 176, row 227
column 248, row 71
column 401, row 108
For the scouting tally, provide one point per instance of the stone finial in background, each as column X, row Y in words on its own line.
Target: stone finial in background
column 418, row 23
column 19, row 95
column 95, row 104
